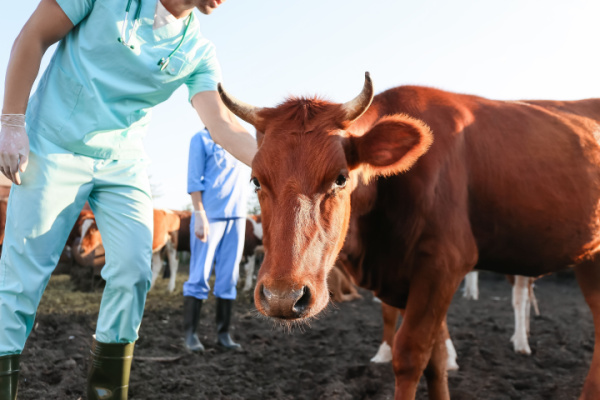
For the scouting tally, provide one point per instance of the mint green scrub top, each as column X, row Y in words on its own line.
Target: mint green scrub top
column 96, row 95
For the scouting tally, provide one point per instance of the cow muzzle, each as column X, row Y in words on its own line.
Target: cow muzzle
column 284, row 303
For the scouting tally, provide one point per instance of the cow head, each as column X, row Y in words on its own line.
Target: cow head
column 312, row 154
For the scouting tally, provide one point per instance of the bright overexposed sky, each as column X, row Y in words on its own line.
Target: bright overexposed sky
column 270, row 49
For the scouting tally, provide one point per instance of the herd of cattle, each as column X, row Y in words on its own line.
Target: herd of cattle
column 404, row 193
column 172, row 235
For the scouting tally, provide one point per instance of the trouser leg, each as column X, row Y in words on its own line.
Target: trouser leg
column 41, row 212
column 122, row 206
column 227, row 261
column 227, row 258
column 202, row 259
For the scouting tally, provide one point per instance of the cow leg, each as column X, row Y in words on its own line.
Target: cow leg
column 451, row 364
column 471, row 288
column 249, row 270
column 436, row 372
column 520, row 302
column 390, row 320
column 426, row 309
column 156, row 267
column 588, row 277
column 173, row 265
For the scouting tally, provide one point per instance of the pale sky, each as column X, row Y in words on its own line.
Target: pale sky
column 271, row 49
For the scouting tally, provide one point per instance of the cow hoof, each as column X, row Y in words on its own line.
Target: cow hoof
column 521, row 347
column 451, row 365
column 384, row 354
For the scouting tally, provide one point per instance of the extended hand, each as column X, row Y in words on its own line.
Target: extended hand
column 14, row 146
column 201, row 225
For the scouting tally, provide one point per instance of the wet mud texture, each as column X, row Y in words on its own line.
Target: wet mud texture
column 327, row 359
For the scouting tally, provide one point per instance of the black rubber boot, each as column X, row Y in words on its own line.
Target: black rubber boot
column 9, row 376
column 110, row 364
column 191, row 315
column 223, row 317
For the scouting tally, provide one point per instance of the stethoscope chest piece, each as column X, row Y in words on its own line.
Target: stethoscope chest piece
column 164, row 62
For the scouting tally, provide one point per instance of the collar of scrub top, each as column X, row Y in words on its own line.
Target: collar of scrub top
column 164, row 61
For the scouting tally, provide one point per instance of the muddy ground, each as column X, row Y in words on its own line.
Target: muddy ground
column 327, row 360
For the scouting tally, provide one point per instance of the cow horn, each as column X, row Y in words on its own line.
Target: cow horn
column 357, row 106
column 243, row 110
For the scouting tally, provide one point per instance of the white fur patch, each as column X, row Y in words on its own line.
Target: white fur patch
column 451, row 364
column 521, row 304
column 384, row 354
column 471, row 288
column 256, row 228
column 85, row 225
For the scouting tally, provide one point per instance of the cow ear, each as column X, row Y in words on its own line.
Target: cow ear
column 391, row 146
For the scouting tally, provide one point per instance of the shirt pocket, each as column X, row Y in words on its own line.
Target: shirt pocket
column 54, row 107
column 178, row 67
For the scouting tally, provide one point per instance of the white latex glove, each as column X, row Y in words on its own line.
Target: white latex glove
column 201, row 225
column 14, row 146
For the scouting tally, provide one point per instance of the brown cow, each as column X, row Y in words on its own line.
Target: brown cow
column 165, row 237
column 253, row 248
column 340, row 285
column 513, row 185
column 89, row 250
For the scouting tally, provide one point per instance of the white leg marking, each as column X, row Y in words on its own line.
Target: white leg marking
column 384, row 354
column 520, row 302
column 173, row 265
column 156, row 267
column 451, row 364
column 249, row 269
column 471, row 288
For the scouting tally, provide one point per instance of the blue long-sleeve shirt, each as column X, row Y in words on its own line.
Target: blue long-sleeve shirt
column 222, row 179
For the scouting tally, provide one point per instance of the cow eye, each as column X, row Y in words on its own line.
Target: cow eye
column 256, row 184
column 340, row 181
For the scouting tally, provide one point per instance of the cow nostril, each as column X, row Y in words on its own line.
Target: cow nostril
column 303, row 302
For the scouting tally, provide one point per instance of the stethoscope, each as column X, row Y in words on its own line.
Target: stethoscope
column 163, row 62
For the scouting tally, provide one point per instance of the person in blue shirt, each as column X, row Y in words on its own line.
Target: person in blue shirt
column 217, row 183
column 78, row 139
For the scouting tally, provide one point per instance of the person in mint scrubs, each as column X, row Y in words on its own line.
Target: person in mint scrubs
column 79, row 138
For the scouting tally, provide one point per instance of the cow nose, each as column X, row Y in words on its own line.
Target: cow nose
column 285, row 304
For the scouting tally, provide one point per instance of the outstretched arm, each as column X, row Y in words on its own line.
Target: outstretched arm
column 224, row 127
column 47, row 25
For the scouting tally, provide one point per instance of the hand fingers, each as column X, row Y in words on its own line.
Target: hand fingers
column 9, row 162
column 23, row 162
column 14, row 169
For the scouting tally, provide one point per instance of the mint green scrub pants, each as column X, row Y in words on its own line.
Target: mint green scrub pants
column 41, row 213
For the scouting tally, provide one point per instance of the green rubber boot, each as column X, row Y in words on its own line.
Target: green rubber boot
column 9, row 376
column 108, row 378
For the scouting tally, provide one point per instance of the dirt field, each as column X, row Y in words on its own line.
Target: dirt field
column 327, row 360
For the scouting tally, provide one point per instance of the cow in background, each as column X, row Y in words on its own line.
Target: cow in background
column 88, row 250
column 340, row 285
column 512, row 186
column 253, row 250
column 523, row 298
column 165, row 239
